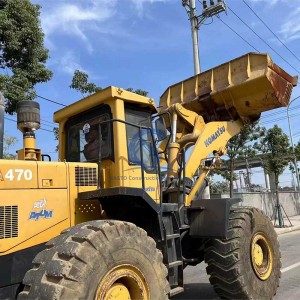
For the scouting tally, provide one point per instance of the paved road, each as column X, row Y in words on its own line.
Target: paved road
column 197, row 285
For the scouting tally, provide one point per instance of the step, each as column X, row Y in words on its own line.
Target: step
column 176, row 291
column 172, row 236
column 175, row 264
column 184, row 227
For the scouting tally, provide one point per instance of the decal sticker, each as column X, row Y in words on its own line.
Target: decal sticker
column 39, row 211
column 18, row 174
column 40, row 204
column 214, row 136
column 86, row 128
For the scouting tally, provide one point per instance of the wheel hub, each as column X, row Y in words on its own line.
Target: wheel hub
column 261, row 256
column 117, row 291
column 124, row 282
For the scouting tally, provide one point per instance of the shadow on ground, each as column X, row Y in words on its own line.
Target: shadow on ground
column 197, row 291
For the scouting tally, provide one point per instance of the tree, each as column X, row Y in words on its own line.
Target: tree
column 218, row 187
column 297, row 155
column 22, row 52
column 80, row 83
column 276, row 147
column 55, row 131
column 238, row 147
column 8, row 142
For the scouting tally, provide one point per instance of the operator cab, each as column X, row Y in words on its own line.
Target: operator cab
column 114, row 129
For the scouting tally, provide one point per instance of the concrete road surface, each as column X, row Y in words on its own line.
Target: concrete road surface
column 197, row 285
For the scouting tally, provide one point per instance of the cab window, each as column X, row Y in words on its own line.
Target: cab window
column 88, row 138
column 135, row 139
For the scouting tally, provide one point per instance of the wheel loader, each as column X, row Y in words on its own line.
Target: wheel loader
column 123, row 211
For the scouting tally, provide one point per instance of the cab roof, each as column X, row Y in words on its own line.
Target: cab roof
column 107, row 94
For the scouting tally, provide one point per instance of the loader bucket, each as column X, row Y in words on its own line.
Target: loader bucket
column 241, row 88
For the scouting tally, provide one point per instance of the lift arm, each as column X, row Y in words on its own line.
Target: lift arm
column 212, row 107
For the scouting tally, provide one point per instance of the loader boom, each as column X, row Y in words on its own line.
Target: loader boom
column 212, row 107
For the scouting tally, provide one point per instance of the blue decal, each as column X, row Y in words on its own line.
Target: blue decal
column 213, row 137
column 46, row 214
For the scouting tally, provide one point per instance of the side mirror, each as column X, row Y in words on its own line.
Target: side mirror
column 160, row 131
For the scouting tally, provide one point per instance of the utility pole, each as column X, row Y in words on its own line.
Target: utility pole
column 194, row 27
column 197, row 21
column 292, row 143
column 248, row 176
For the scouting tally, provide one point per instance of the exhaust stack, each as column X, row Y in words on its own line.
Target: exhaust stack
column 28, row 120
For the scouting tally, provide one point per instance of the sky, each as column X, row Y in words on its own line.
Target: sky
column 146, row 44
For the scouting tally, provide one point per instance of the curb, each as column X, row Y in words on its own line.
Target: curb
column 280, row 231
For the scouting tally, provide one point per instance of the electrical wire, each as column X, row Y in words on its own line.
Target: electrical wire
column 33, row 93
column 48, row 121
column 36, row 95
column 238, row 34
column 283, row 111
column 278, row 112
column 263, row 40
column 234, row 31
column 279, row 119
column 276, row 36
column 16, row 122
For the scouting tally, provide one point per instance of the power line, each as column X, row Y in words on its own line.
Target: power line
column 279, row 119
column 262, row 39
column 238, row 34
column 283, row 117
column 48, row 125
column 36, row 95
column 16, row 122
column 271, row 31
column 279, row 112
column 234, row 31
column 48, row 121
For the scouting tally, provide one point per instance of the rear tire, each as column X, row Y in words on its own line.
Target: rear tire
column 98, row 260
column 247, row 264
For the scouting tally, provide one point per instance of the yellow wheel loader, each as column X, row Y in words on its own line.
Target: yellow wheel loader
column 123, row 213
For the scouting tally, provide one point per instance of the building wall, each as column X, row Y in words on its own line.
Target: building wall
column 290, row 201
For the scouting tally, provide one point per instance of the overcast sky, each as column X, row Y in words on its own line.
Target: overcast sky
column 146, row 44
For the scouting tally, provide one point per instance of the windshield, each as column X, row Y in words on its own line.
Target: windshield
column 84, row 137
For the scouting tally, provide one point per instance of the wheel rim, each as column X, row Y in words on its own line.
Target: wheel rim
column 261, row 256
column 122, row 283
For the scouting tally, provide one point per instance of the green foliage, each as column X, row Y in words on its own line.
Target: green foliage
column 275, row 145
column 238, row 147
column 55, row 131
column 297, row 150
column 22, row 52
column 226, row 174
column 138, row 91
column 80, row 83
column 218, row 187
column 8, row 142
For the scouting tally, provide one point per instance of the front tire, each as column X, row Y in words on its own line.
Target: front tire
column 247, row 264
column 98, row 260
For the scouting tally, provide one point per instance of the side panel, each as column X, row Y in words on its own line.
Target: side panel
column 36, row 216
column 34, row 203
column 209, row 217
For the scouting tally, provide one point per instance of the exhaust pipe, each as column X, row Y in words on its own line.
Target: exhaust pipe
column 28, row 119
column 2, row 109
